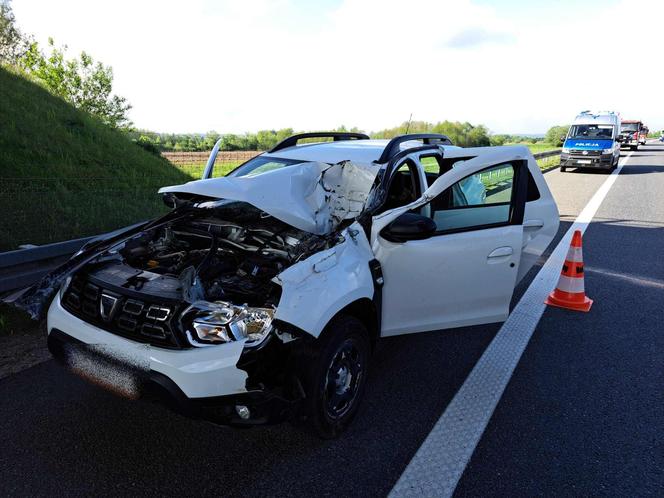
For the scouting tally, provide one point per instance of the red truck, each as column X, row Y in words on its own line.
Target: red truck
column 630, row 133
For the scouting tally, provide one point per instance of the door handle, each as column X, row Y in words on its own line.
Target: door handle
column 533, row 224
column 501, row 252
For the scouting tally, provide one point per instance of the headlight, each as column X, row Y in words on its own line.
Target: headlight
column 607, row 151
column 221, row 322
column 565, row 150
column 64, row 287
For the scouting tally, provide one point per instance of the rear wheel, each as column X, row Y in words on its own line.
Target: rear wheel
column 336, row 375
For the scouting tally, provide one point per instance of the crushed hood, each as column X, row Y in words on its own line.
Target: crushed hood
column 314, row 197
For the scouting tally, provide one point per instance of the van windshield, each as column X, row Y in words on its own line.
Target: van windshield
column 602, row 132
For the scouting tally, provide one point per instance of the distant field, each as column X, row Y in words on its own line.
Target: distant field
column 539, row 147
column 193, row 163
column 195, row 170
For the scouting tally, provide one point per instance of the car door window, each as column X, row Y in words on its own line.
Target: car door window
column 404, row 186
column 481, row 200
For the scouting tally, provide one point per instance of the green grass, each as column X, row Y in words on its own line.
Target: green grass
column 538, row 147
column 195, row 170
column 548, row 162
column 65, row 175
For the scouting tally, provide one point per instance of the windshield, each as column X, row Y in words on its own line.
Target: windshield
column 629, row 127
column 261, row 164
column 602, row 132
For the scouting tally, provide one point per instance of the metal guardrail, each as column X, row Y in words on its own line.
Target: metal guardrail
column 548, row 153
column 23, row 267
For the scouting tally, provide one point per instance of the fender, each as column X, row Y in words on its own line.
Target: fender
column 317, row 288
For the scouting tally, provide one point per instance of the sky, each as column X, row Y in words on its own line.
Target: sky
column 235, row 66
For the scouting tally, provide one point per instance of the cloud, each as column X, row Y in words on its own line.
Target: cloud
column 473, row 37
column 244, row 65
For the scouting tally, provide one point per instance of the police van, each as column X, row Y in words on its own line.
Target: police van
column 592, row 141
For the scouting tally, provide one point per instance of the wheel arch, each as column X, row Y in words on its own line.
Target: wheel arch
column 365, row 311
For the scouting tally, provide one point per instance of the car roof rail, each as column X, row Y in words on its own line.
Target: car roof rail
column 393, row 147
column 334, row 135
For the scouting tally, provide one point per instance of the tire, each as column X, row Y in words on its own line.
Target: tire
column 335, row 376
column 563, row 169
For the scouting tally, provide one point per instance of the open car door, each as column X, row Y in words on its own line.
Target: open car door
column 461, row 269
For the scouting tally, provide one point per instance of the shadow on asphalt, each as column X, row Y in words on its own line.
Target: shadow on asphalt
column 641, row 169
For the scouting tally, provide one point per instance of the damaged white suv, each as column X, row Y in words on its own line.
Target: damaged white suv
column 260, row 296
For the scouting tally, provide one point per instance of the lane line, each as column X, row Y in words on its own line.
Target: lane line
column 631, row 279
column 438, row 464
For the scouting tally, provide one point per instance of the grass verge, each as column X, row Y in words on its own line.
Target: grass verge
column 64, row 174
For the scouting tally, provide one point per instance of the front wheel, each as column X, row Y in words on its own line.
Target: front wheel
column 563, row 169
column 336, row 376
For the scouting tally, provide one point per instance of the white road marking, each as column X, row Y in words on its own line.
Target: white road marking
column 632, row 279
column 438, row 464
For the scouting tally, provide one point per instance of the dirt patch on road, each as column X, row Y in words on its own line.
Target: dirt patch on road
column 22, row 342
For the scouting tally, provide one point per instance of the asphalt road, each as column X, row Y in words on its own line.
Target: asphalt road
column 582, row 415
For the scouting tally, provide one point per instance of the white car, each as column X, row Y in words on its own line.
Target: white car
column 260, row 296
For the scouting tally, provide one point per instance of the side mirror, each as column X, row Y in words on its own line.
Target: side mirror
column 409, row 226
column 619, row 138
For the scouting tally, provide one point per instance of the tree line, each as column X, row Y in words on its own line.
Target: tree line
column 462, row 134
column 80, row 80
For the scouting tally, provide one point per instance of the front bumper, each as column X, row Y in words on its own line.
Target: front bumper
column 200, row 383
column 581, row 161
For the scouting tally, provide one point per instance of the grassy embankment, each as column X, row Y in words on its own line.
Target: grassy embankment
column 64, row 175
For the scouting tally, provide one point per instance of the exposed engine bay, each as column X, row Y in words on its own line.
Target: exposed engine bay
column 227, row 251
column 202, row 278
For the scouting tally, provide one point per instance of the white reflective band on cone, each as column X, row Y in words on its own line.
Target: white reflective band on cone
column 569, row 284
column 575, row 255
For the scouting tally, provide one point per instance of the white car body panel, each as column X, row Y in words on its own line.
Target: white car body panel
column 473, row 288
column 199, row 372
column 314, row 290
column 313, row 197
column 433, row 285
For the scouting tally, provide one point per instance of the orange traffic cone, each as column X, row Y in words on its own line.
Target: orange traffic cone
column 570, row 292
